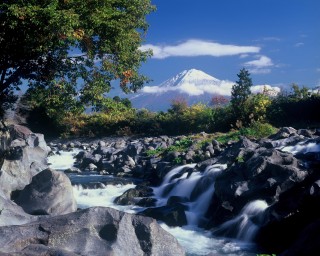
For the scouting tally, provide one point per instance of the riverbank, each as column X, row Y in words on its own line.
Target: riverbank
column 236, row 190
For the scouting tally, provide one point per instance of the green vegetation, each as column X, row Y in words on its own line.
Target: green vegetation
column 56, row 46
column 239, row 95
column 68, row 52
column 179, row 146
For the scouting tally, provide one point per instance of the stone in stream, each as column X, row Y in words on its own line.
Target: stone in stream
column 49, row 193
column 95, row 231
column 134, row 195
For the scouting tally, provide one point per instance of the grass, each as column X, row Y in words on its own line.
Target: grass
column 254, row 131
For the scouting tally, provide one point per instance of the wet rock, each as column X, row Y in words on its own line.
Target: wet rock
column 295, row 211
column 49, row 193
column 134, row 195
column 306, row 133
column 265, row 175
column 94, row 231
column 171, row 215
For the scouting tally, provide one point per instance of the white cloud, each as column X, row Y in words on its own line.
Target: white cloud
column 262, row 62
column 272, row 90
column 195, row 90
column 195, row 47
column 192, row 89
column 259, row 66
column 242, row 56
column 260, row 70
column 299, row 44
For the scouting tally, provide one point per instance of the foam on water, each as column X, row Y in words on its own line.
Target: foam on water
column 62, row 160
column 184, row 185
column 194, row 240
column 200, row 242
column 242, row 225
column 302, row 147
column 103, row 197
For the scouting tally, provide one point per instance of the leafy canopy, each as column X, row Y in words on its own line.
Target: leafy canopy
column 56, row 44
column 240, row 93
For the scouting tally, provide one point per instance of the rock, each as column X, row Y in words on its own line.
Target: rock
column 120, row 144
column 101, row 143
column 283, row 133
column 306, row 133
column 5, row 140
column 95, row 231
column 204, row 164
column 264, row 176
column 19, row 132
column 307, row 242
column 73, row 170
column 171, row 156
column 92, row 167
column 49, row 193
column 134, row 149
column 12, row 214
column 189, row 156
column 295, row 211
column 172, row 215
column 134, row 195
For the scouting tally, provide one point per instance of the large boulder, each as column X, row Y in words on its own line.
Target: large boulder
column 297, row 212
column 94, row 231
column 12, row 214
column 50, row 192
column 262, row 174
column 23, row 157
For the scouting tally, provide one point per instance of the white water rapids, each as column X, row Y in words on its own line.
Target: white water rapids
column 196, row 241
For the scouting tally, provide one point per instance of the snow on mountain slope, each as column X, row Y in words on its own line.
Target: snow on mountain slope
column 193, row 85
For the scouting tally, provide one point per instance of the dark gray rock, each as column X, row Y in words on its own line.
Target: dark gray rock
column 134, row 195
column 94, row 231
column 173, row 215
column 12, row 214
column 306, row 133
column 50, row 192
column 265, row 175
column 296, row 212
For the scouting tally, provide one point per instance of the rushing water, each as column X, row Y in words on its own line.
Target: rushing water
column 176, row 183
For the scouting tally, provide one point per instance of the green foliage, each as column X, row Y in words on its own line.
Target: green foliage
column 239, row 94
column 177, row 161
column 297, row 109
column 155, row 152
column 256, row 107
column 60, row 42
column 258, row 130
column 179, row 146
column 230, row 136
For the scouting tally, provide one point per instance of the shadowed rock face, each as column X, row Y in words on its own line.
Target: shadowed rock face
column 94, row 231
column 24, row 155
column 260, row 174
column 49, row 193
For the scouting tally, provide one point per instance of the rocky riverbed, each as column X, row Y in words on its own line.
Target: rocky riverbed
column 261, row 191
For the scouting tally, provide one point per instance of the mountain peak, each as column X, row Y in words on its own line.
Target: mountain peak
column 190, row 76
column 195, row 75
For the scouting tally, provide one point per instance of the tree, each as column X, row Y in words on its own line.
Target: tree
column 52, row 42
column 239, row 94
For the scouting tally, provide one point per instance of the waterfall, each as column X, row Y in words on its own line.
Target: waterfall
column 193, row 187
column 244, row 226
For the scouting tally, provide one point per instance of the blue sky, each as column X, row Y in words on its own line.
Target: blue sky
column 277, row 40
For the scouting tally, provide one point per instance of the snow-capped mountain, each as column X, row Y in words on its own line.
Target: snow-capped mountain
column 193, row 85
